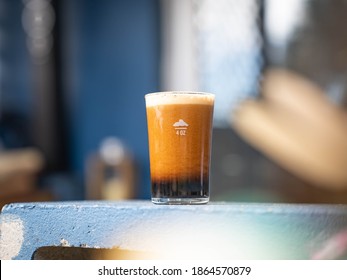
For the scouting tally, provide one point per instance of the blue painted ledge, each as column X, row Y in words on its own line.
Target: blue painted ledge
column 212, row 231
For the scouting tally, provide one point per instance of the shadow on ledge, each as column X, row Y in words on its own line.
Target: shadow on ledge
column 82, row 253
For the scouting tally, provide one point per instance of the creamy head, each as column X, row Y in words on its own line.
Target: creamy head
column 178, row 97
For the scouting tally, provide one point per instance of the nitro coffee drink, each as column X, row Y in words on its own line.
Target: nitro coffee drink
column 179, row 135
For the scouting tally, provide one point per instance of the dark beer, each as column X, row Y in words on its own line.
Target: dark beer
column 179, row 134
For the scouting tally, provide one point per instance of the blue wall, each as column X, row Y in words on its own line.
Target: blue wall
column 110, row 62
column 15, row 91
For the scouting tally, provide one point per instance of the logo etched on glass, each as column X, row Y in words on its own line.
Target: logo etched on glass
column 181, row 127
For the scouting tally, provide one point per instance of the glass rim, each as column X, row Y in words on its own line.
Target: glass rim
column 179, row 92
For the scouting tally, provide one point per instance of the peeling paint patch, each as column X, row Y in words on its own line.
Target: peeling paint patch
column 11, row 236
column 64, row 243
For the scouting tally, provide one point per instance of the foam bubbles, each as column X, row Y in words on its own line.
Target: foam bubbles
column 178, row 97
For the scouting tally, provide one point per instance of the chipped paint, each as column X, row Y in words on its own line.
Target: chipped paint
column 11, row 237
column 64, row 243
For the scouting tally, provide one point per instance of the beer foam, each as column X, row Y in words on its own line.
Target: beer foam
column 178, row 97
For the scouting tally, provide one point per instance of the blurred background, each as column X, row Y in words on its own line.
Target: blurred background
column 73, row 75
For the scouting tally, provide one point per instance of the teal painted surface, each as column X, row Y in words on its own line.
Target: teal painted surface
column 216, row 230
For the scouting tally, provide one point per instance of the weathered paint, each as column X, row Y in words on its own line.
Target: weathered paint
column 11, row 236
column 215, row 230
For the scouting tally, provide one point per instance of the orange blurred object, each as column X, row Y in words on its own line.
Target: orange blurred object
column 296, row 125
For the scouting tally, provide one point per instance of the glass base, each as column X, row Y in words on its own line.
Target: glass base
column 180, row 201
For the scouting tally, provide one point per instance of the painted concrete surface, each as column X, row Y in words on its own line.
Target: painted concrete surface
column 212, row 231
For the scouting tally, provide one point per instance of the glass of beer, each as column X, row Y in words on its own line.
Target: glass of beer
column 180, row 137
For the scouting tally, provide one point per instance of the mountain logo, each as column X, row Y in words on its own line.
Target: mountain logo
column 181, row 124
column 180, row 127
